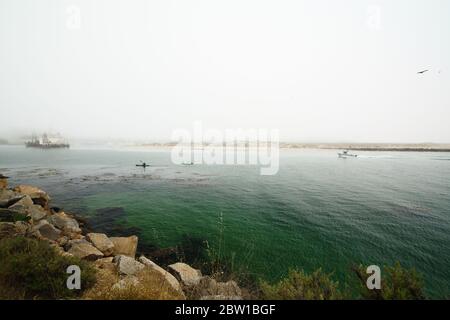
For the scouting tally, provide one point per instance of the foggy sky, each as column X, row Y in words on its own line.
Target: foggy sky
column 316, row 70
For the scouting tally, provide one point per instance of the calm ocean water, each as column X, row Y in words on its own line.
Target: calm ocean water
column 318, row 211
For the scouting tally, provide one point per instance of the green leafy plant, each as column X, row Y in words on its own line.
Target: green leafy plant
column 301, row 286
column 32, row 269
column 397, row 283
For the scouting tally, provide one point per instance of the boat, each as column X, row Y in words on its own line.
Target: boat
column 143, row 165
column 345, row 154
column 47, row 142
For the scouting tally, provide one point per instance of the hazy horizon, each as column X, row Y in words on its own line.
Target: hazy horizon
column 318, row 71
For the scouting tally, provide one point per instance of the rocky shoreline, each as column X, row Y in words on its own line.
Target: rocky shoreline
column 26, row 211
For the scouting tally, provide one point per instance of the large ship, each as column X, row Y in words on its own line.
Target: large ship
column 46, row 142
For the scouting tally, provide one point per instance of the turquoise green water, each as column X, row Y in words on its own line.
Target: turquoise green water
column 318, row 211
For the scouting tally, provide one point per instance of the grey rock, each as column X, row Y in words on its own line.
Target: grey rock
column 128, row 281
column 64, row 222
column 170, row 279
column 47, row 231
column 36, row 212
column 127, row 265
column 9, row 197
column 24, row 202
column 38, row 196
column 101, row 242
column 187, row 275
column 125, row 245
column 84, row 250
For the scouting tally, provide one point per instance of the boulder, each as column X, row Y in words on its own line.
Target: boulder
column 64, row 222
column 72, row 242
column 106, row 264
column 210, row 288
column 9, row 197
column 128, row 281
column 11, row 215
column 127, row 265
column 125, row 245
column 101, row 242
column 185, row 273
column 84, row 250
column 38, row 196
column 47, row 231
column 24, row 202
column 36, row 212
column 170, row 279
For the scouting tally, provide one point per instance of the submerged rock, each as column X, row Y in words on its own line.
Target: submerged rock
column 125, row 245
column 127, row 265
column 185, row 273
column 101, row 242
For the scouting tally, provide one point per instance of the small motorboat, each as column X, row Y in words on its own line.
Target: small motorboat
column 345, row 154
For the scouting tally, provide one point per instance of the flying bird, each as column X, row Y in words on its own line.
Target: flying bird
column 423, row 71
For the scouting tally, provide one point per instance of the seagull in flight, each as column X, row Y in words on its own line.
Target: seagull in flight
column 423, row 71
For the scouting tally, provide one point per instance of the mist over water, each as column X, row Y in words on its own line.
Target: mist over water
column 318, row 211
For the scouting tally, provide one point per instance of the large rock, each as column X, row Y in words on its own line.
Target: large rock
column 9, row 197
column 170, row 279
column 84, row 250
column 101, row 242
column 125, row 283
column 185, row 273
column 127, row 265
column 36, row 212
column 24, row 202
column 210, row 289
column 11, row 215
column 106, row 264
column 47, row 231
column 125, row 245
column 64, row 222
column 38, row 196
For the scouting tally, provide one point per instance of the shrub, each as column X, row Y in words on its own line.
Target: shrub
column 301, row 286
column 150, row 285
column 32, row 269
column 397, row 283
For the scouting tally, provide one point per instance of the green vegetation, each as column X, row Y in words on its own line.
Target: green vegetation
column 301, row 286
column 32, row 269
column 397, row 283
